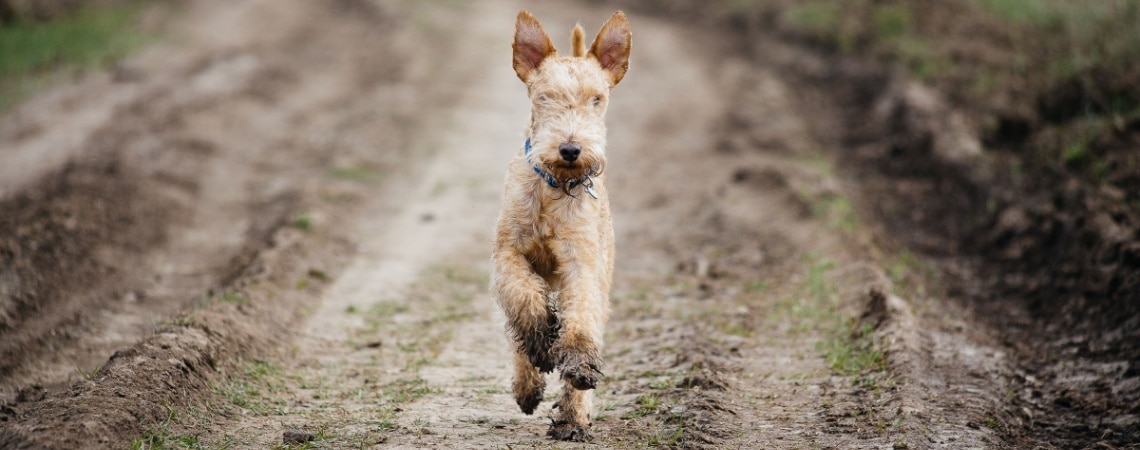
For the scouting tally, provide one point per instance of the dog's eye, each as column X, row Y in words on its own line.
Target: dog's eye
column 596, row 101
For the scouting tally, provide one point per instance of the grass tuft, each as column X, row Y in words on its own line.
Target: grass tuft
column 303, row 222
column 853, row 352
column 1021, row 12
column 35, row 53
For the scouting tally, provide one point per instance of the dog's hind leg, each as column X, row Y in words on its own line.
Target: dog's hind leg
column 572, row 418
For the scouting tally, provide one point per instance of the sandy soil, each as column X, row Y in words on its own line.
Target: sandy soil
column 279, row 218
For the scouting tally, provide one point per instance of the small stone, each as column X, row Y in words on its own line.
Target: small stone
column 901, row 446
column 294, row 436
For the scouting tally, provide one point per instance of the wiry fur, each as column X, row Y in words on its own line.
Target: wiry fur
column 554, row 248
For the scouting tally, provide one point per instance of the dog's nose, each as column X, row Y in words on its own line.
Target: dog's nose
column 570, row 151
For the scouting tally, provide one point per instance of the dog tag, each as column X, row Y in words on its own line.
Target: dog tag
column 590, row 190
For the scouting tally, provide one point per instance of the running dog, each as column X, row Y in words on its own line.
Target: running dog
column 553, row 254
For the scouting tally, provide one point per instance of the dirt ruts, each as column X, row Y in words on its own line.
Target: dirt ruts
column 279, row 219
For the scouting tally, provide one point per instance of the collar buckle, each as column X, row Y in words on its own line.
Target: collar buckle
column 550, row 181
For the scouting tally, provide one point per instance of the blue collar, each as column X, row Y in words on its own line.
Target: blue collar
column 550, row 181
column 585, row 181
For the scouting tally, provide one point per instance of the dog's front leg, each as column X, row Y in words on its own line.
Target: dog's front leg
column 582, row 317
column 582, row 311
column 531, row 324
column 521, row 294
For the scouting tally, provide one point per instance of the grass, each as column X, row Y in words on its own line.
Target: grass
column 407, row 390
column 817, row 299
column 161, row 437
column 755, row 286
column 909, row 275
column 847, row 348
column 90, row 375
column 184, row 320
column 646, row 404
column 836, row 211
column 852, row 351
column 236, row 298
column 1021, row 12
column 414, row 326
column 252, row 390
column 666, row 437
column 662, row 424
column 892, row 21
column 359, row 174
column 821, row 20
column 1065, row 38
column 34, row 54
column 303, row 222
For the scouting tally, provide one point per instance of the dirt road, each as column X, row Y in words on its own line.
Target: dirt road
column 280, row 219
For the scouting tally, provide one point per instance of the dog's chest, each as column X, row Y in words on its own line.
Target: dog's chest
column 568, row 224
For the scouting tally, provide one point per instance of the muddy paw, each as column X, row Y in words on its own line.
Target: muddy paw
column 529, row 401
column 536, row 344
column 566, row 431
column 581, row 373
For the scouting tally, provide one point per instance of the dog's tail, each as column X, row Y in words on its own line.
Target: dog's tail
column 578, row 40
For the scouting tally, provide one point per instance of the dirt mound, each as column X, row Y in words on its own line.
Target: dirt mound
column 50, row 250
column 1050, row 263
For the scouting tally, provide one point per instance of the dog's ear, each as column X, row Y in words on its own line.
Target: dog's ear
column 531, row 46
column 611, row 47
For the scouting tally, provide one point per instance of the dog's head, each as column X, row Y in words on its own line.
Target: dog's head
column 569, row 94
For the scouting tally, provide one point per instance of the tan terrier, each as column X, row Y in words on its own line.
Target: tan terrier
column 554, row 246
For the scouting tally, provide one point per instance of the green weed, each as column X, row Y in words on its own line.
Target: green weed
column 387, row 308
column 845, row 349
column 1036, row 12
column 185, row 320
column 852, row 352
column 33, row 53
column 818, row 17
column 1074, row 153
column 837, row 211
column 666, row 437
column 235, row 297
column 303, row 222
column 755, row 286
column 892, row 21
column 161, row 438
column 662, row 383
column 249, row 390
column 646, row 405
column 90, row 375
column 354, row 173
column 407, row 390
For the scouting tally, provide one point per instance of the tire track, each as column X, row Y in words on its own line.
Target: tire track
column 407, row 347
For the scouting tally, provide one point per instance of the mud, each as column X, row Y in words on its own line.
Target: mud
column 277, row 221
column 1039, row 256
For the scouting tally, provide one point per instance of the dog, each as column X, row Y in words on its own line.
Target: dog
column 553, row 255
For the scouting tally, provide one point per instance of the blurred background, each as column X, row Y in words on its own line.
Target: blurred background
column 984, row 153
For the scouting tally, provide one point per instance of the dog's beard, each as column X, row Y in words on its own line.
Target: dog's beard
column 569, row 176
